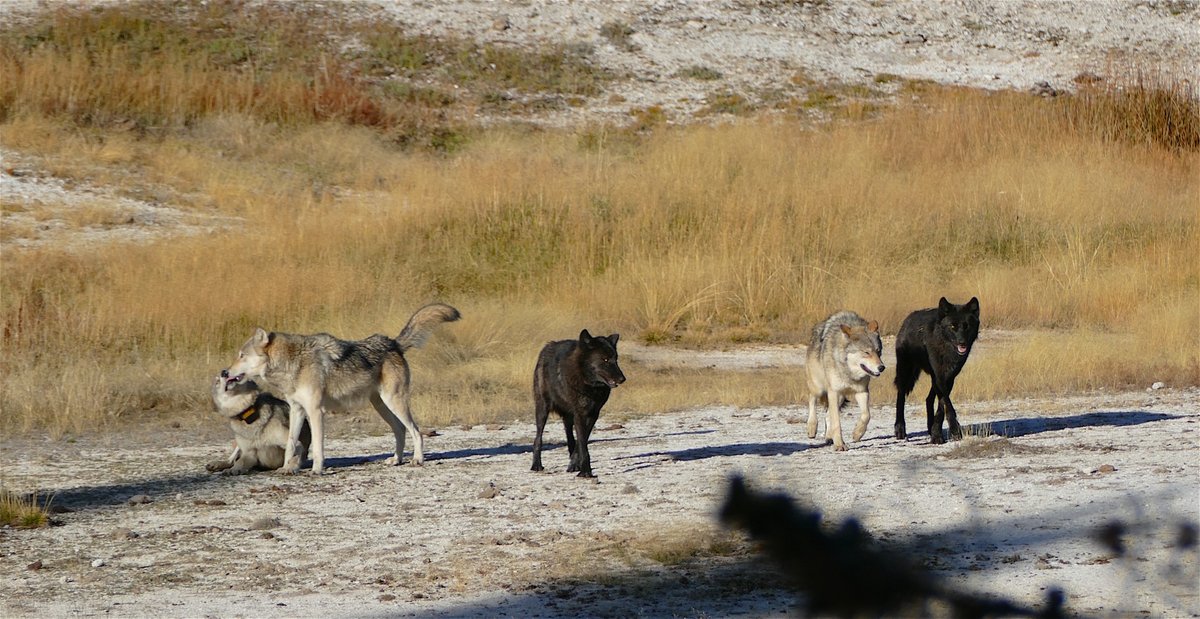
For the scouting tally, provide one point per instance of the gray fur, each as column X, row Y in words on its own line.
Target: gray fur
column 260, row 427
column 843, row 355
column 320, row 372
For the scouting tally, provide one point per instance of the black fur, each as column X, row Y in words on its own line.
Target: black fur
column 574, row 378
column 929, row 341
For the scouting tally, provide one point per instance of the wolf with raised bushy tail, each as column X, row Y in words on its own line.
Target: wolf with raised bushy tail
column 936, row 341
column 843, row 356
column 319, row 373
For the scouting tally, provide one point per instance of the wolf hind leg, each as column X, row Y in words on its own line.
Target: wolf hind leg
column 398, row 405
column 541, row 412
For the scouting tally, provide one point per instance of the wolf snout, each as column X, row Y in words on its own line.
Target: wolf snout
column 962, row 349
column 613, row 382
column 873, row 371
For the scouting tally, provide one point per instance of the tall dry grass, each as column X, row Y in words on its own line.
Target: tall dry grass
column 705, row 235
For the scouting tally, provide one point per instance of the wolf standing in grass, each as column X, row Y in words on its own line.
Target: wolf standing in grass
column 574, row 378
column 935, row 341
column 843, row 356
column 315, row 373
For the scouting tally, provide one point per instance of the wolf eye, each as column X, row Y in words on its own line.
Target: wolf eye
column 953, row 328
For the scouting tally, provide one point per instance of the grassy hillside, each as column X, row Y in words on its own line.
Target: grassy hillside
column 1074, row 218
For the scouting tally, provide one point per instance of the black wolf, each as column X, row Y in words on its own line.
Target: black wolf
column 936, row 341
column 574, row 378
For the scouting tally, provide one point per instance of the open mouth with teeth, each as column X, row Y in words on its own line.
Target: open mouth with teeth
column 868, row 370
column 962, row 350
column 231, row 381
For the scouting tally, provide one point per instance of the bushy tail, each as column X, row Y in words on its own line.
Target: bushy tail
column 422, row 322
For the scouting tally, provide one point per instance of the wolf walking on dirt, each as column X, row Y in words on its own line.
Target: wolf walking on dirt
column 936, row 341
column 259, row 422
column 574, row 379
column 316, row 373
column 843, row 356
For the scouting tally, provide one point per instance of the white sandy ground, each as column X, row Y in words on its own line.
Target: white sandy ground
column 371, row 540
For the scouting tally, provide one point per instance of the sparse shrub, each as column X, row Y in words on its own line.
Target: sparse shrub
column 620, row 35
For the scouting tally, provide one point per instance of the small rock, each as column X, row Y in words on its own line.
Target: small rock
column 387, row 597
column 489, row 492
column 140, row 499
column 500, row 23
column 615, row 426
column 493, row 427
column 1158, row 385
column 123, row 533
column 630, row 489
column 98, row 563
column 429, row 433
column 1105, row 468
column 266, row 535
column 914, row 39
column 35, row 566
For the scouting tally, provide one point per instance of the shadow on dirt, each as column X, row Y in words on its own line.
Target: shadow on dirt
column 723, row 587
column 1012, row 428
column 91, row 497
column 719, row 451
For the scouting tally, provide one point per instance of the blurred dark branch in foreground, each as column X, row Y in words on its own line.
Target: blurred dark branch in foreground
column 843, row 573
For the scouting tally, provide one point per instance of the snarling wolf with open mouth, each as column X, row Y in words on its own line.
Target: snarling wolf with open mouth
column 259, row 422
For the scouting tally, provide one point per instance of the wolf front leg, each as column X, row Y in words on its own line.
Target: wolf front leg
column 864, row 406
column 291, row 452
column 833, row 427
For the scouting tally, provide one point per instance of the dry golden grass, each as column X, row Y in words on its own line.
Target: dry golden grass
column 22, row 511
column 1059, row 223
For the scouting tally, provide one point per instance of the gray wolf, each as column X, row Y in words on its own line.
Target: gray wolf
column 260, row 426
column 574, row 379
column 316, row 373
column 936, row 341
column 843, row 356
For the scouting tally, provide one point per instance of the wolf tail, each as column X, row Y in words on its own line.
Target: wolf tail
column 422, row 322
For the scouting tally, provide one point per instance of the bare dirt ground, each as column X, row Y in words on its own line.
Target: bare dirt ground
column 474, row 533
column 1012, row 510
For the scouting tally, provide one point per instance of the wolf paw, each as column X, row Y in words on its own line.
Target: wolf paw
column 812, row 430
column 901, row 434
column 537, row 468
column 840, row 447
column 417, row 460
column 859, row 431
column 393, row 461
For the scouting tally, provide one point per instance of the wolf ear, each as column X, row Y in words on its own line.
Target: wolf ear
column 873, row 326
column 261, row 338
column 944, row 307
column 973, row 306
column 585, row 338
column 612, row 339
column 845, row 329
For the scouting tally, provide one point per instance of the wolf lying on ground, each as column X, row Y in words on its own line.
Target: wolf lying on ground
column 315, row 373
column 936, row 341
column 260, row 426
column 843, row 355
column 574, row 379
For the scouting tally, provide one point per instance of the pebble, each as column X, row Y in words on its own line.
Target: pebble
column 98, row 563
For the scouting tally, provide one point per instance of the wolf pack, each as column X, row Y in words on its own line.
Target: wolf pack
column 276, row 393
